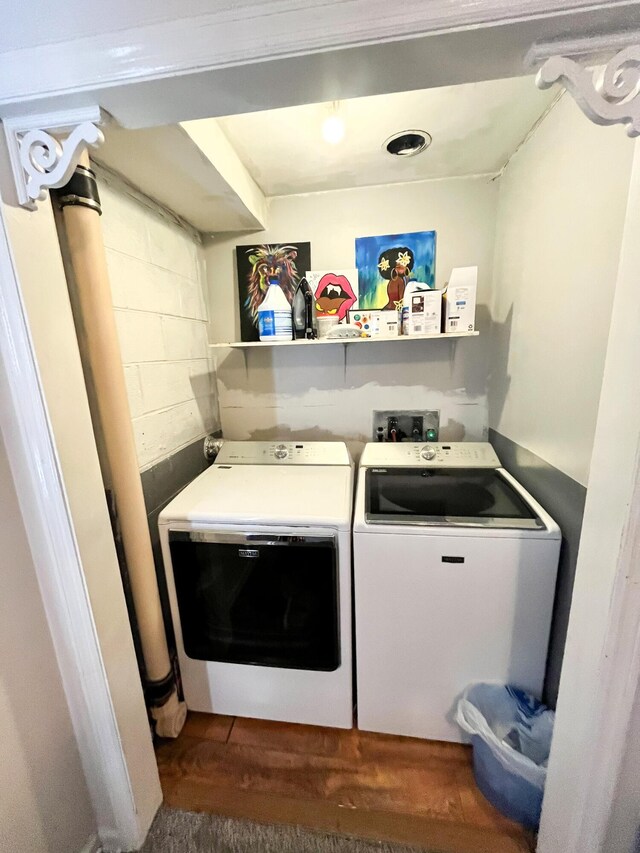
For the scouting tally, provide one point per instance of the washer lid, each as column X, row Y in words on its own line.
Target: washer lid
column 266, row 494
column 459, row 497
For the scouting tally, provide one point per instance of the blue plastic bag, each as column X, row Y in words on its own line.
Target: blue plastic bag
column 511, row 735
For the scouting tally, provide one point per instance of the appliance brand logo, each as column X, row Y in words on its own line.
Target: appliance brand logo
column 248, row 552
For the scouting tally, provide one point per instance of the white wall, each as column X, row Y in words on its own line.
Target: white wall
column 330, row 392
column 559, row 229
column 44, row 801
column 36, row 252
column 156, row 274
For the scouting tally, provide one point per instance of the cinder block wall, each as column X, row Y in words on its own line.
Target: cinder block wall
column 156, row 271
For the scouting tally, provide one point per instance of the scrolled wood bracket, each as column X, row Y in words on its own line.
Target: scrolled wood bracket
column 607, row 95
column 44, row 149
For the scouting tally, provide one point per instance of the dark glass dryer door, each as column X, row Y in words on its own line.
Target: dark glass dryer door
column 466, row 497
column 267, row 600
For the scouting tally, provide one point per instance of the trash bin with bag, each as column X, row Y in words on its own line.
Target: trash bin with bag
column 511, row 735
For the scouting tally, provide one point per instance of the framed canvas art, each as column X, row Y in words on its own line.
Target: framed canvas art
column 336, row 292
column 256, row 264
column 387, row 263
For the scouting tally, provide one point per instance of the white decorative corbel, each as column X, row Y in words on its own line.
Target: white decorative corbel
column 607, row 95
column 44, row 149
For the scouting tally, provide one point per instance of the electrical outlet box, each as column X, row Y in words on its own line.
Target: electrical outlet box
column 413, row 425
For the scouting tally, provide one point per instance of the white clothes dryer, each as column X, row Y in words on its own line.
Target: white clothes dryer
column 454, row 580
column 257, row 551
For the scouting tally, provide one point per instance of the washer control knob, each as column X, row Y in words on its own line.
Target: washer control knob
column 428, row 452
column 281, row 451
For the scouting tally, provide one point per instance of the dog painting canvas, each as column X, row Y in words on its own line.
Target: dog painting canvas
column 256, row 264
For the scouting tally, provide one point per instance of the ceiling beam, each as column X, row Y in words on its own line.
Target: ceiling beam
column 249, row 56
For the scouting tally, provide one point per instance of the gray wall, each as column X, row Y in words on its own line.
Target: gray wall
column 563, row 499
column 160, row 484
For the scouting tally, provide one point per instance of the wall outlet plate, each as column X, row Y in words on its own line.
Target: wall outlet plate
column 428, row 421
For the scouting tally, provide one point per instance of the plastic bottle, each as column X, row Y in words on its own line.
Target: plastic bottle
column 274, row 314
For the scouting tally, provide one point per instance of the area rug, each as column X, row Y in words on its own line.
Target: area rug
column 176, row 831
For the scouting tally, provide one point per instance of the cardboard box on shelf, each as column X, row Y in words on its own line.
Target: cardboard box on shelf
column 422, row 315
column 459, row 314
column 375, row 324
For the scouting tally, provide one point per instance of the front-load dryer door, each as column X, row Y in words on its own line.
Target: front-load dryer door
column 260, row 599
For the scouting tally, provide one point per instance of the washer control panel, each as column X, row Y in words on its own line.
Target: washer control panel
column 455, row 454
column 283, row 453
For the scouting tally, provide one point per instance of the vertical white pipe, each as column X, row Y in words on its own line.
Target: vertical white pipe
column 102, row 349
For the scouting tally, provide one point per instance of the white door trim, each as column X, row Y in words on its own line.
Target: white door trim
column 240, row 33
column 621, row 692
column 580, row 802
column 34, row 463
column 619, row 671
column 601, row 669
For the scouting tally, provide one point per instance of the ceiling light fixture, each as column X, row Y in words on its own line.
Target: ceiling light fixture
column 333, row 130
column 333, row 127
column 407, row 143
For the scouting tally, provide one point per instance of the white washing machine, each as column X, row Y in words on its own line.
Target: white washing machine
column 257, row 551
column 454, row 579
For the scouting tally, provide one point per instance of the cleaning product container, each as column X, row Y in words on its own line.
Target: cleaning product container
column 511, row 737
column 274, row 314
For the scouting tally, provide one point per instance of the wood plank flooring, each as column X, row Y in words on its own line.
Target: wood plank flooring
column 371, row 785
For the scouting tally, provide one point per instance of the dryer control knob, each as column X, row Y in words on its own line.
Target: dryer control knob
column 281, row 451
column 428, row 452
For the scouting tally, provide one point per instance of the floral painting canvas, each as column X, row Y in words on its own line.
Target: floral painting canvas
column 256, row 264
column 387, row 263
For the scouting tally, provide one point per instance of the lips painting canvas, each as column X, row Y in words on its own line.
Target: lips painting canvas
column 335, row 291
column 386, row 264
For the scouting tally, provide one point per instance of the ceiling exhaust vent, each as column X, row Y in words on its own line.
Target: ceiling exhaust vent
column 408, row 143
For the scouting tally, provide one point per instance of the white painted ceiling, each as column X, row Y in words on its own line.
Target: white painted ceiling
column 34, row 22
column 167, row 165
column 475, row 128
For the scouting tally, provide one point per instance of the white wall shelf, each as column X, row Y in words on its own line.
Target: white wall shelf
column 325, row 341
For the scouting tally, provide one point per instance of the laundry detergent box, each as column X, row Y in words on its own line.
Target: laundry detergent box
column 422, row 312
column 375, row 324
column 459, row 300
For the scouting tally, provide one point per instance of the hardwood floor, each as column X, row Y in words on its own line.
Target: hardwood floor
column 370, row 785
